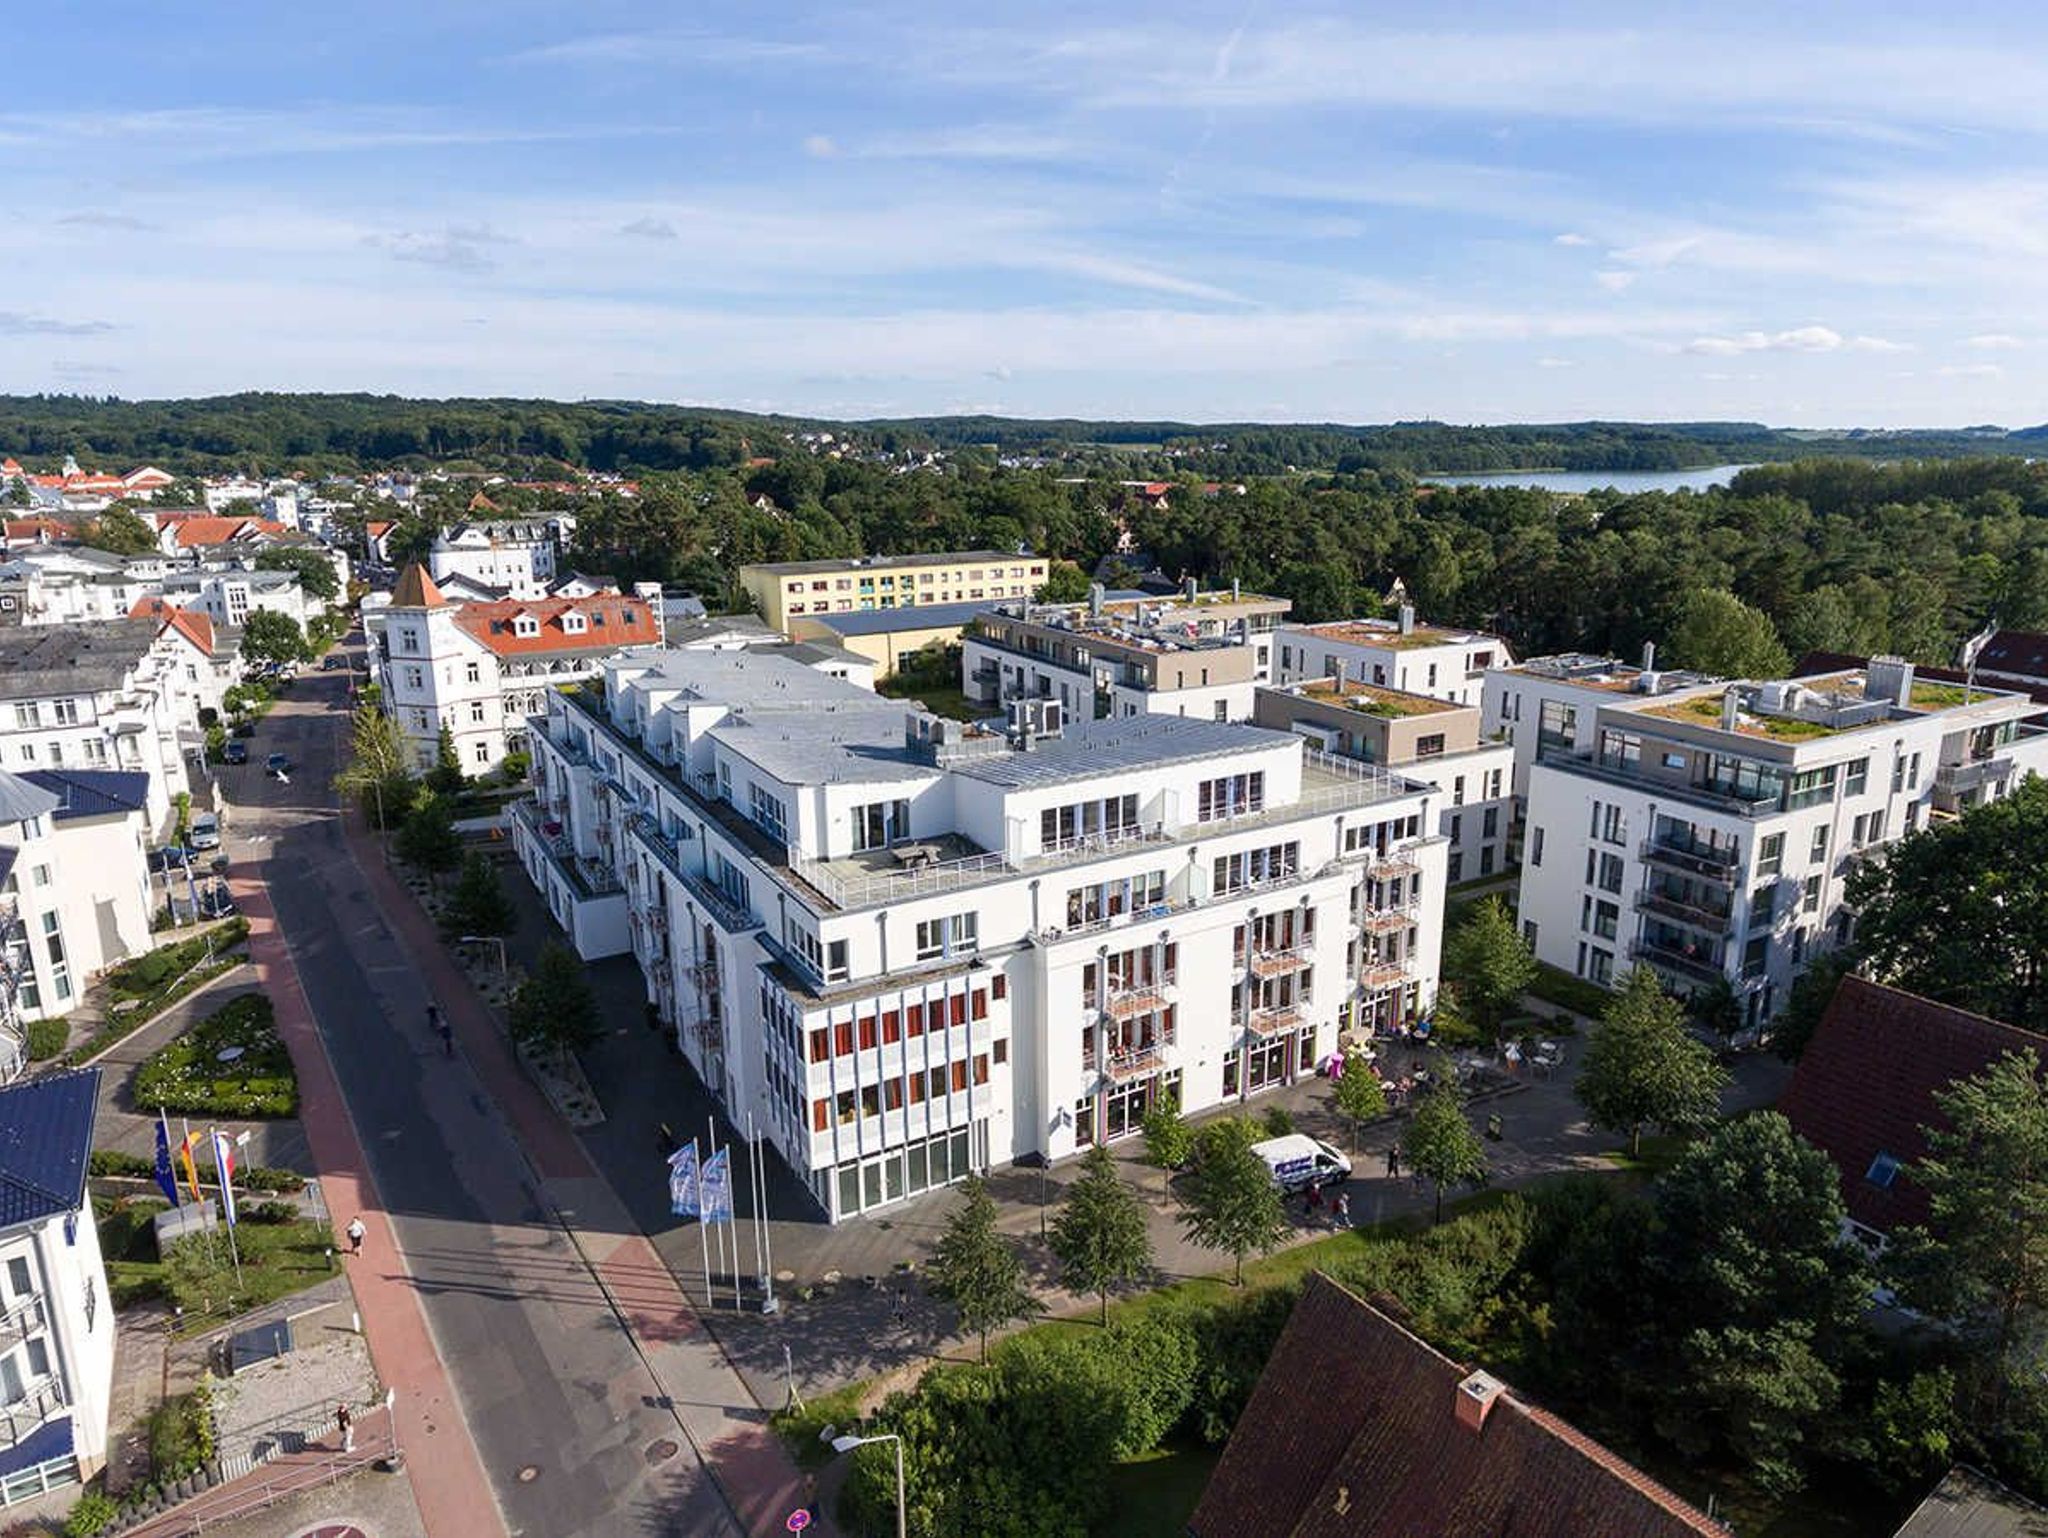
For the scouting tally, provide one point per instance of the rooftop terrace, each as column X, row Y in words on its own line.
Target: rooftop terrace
column 1373, row 700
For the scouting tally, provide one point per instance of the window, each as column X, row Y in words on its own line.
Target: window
column 1223, row 710
column 768, row 811
column 1820, row 843
column 41, row 877
column 1529, row 932
column 1809, row 897
column 415, row 678
column 1610, row 873
column 1600, row 966
column 1535, row 846
column 952, row 935
column 66, row 712
column 1430, row 746
column 1490, row 822
column 1770, row 854
column 26, row 714
column 473, row 672
column 476, row 712
column 1857, row 780
column 1253, row 867
column 1458, row 790
column 1884, row 1169
column 836, row 968
column 481, row 753
column 1233, row 795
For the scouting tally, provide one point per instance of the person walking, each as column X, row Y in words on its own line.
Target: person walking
column 356, row 1231
column 347, row 1423
column 1340, row 1210
column 1393, row 1161
column 442, row 1028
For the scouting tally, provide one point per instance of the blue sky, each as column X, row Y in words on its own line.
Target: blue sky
column 1354, row 213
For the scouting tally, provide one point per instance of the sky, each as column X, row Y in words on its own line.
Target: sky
column 1804, row 214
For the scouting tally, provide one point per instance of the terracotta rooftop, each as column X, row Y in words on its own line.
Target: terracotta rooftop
column 415, row 590
column 220, row 530
column 609, row 622
column 192, row 624
column 1355, row 1430
column 1866, row 1084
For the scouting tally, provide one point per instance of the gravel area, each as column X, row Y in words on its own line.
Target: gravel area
column 295, row 1395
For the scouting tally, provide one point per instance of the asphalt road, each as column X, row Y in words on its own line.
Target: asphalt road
column 561, row 1407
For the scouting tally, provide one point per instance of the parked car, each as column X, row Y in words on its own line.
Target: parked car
column 170, row 857
column 205, row 832
column 333, row 662
column 236, row 752
column 276, row 763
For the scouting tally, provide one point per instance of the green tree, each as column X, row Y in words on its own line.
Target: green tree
column 446, row 776
column 428, row 839
column 478, row 905
column 1358, row 1094
column 376, row 772
column 1232, row 1205
column 1100, row 1238
column 1490, row 963
column 1982, row 1260
column 1806, row 1001
column 1169, row 1140
column 268, row 636
column 122, row 531
column 1065, row 582
column 1440, row 1145
column 1641, row 1068
column 315, row 571
column 1959, row 912
column 976, row 1269
column 553, row 1009
column 1716, row 632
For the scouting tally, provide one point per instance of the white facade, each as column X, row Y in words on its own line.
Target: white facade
column 1711, row 833
column 910, row 949
column 1436, row 660
column 516, row 558
column 228, row 596
column 1554, row 702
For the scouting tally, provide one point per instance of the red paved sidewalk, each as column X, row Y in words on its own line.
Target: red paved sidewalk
column 447, row 1475
column 283, row 1476
column 760, row 1480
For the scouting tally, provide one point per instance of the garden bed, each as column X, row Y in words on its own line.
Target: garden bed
column 198, row 1276
column 140, row 989
column 230, row 1064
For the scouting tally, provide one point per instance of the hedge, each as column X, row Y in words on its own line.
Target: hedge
column 1558, row 987
column 46, row 1038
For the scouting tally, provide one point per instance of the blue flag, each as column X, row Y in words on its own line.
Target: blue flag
column 166, row 1179
column 682, row 1182
column 718, row 1187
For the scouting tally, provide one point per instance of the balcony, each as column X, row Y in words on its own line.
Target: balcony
column 1137, row 1060
column 1854, row 860
column 1955, row 779
column 1700, row 968
column 1280, row 960
column 1378, row 974
column 1685, row 911
column 18, row 1324
column 1705, row 797
column 727, row 913
column 1138, row 999
column 28, row 1415
column 1384, row 920
column 1278, row 1019
column 1716, row 862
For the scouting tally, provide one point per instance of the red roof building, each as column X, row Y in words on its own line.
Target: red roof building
column 1359, row 1429
column 1866, row 1084
column 192, row 624
column 191, row 533
column 514, row 627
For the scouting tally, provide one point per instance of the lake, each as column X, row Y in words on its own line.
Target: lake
column 1597, row 480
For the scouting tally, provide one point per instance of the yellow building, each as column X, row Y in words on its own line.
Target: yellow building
column 787, row 590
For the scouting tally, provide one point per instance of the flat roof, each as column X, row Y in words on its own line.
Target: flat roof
column 887, row 562
column 1388, row 633
column 1376, row 700
column 916, row 616
column 1087, row 750
column 827, row 748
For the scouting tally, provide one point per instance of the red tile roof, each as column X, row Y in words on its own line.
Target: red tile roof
column 378, row 529
column 610, row 621
column 220, row 531
column 192, row 624
column 1354, row 1432
column 37, row 528
column 416, row 590
column 1867, row 1081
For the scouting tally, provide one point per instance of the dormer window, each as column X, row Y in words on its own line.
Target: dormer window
column 572, row 623
column 525, row 625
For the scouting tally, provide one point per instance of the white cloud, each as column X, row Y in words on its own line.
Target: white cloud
column 1877, row 344
column 1555, row 363
column 649, row 229
column 459, row 248
column 1970, row 371
column 1614, row 280
column 1570, row 238
column 16, row 323
column 1992, row 340
column 1799, row 339
column 820, row 146
column 624, row 49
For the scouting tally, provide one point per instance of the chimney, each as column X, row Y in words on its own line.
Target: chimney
column 1889, row 679
column 1649, row 656
column 1236, row 590
column 1406, row 617
column 1731, row 706
column 1476, row 1395
column 1096, row 594
column 1191, row 589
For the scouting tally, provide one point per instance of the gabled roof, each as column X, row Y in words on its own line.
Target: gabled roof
column 610, row 621
column 92, row 792
column 2024, row 652
column 45, row 1141
column 416, row 590
column 1354, row 1431
column 193, row 625
column 216, row 530
column 1967, row 1504
column 21, row 799
column 1866, row 1083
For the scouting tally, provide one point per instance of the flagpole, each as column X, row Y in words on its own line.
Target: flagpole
column 711, row 1148
column 754, row 1191
column 703, row 1239
column 192, row 1169
column 222, row 1166
column 164, row 1122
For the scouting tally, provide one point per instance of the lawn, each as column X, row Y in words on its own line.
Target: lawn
column 143, row 987
column 1155, row 1495
column 939, row 699
column 277, row 1259
column 230, row 1064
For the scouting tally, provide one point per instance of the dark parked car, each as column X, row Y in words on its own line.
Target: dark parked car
column 332, row 664
column 236, row 753
column 170, row 857
column 277, row 763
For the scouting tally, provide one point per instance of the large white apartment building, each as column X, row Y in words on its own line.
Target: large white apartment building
column 516, row 558
column 56, row 1321
column 1397, row 653
column 1554, row 702
column 1197, row 654
column 911, row 949
column 1710, row 831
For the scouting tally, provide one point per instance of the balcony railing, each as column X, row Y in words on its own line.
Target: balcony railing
column 1136, row 1061
column 1699, row 967
column 1955, row 779
column 28, row 1415
column 23, row 1321
column 1685, row 911
column 1703, row 796
column 1279, row 960
column 1383, row 920
column 1716, row 862
column 1138, row 999
column 725, row 912
column 1378, row 974
column 1276, row 1019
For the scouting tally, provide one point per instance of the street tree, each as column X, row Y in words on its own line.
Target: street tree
column 1716, row 632
column 314, row 570
column 1982, row 1260
column 554, row 1009
column 268, row 636
column 1359, row 1094
column 122, row 531
column 1960, row 912
column 446, row 776
column 1169, row 1140
column 976, row 1269
column 477, row 905
column 1440, row 1145
column 1490, row 964
column 1065, row 582
column 1100, row 1237
column 1232, row 1205
column 376, row 772
column 427, row 838
column 1643, row 1070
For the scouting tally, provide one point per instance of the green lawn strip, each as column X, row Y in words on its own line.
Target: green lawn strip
column 1555, row 986
column 1154, row 1495
column 940, row 699
column 802, row 1429
column 278, row 1259
column 189, row 1075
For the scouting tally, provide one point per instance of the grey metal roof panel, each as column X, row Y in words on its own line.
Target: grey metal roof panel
column 45, row 1142
column 851, row 564
column 1967, row 1504
column 828, row 746
column 1088, row 749
column 21, row 798
column 41, row 660
column 93, row 792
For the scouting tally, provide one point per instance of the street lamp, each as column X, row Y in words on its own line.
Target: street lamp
column 848, row 1443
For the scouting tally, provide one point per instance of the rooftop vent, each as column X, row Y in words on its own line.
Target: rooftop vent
column 1476, row 1395
column 1731, row 708
column 1649, row 656
column 1405, row 617
column 1889, row 679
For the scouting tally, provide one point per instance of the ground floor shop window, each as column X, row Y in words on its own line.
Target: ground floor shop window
column 1126, row 1105
column 883, row 1178
column 1263, row 1067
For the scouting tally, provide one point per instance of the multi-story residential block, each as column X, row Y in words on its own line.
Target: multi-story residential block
column 103, row 695
column 1426, row 739
column 909, row 949
column 56, row 1322
column 1710, row 832
column 1399, row 653
column 515, row 558
column 1197, row 654
column 1554, row 702
column 481, row 669
column 208, row 655
column 782, row 589
column 228, row 595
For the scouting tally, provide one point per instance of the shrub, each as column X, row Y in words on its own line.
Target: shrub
column 271, row 1212
column 260, row 1177
column 113, row 1161
column 181, row 1434
column 89, row 1515
column 516, row 766
column 189, row 1075
column 46, row 1038
column 1279, row 1121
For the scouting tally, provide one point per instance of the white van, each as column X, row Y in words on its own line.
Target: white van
column 1298, row 1161
column 204, row 832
